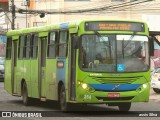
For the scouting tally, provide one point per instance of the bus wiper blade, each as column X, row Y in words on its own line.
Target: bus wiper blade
column 130, row 39
column 101, row 37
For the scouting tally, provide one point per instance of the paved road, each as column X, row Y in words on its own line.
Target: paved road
column 11, row 103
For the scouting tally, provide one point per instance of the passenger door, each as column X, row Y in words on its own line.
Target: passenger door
column 42, row 68
column 14, row 68
column 62, row 57
column 72, row 72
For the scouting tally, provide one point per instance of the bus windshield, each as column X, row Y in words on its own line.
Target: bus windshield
column 108, row 53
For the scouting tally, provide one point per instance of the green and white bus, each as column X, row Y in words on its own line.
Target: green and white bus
column 86, row 62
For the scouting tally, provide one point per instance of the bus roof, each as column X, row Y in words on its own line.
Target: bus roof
column 64, row 25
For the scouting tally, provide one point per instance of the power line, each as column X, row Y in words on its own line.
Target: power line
column 101, row 8
column 97, row 8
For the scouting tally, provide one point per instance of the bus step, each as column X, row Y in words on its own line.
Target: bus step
column 43, row 99
column 14, row 94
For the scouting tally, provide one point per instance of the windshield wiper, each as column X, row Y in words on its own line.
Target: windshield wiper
column 124, row 46
column 101, row 37
column 130, row 39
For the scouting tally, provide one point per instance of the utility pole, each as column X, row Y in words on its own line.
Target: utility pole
column 13, row 15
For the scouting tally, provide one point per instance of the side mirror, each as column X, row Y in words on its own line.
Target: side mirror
column 75, row 42
column 151, row 46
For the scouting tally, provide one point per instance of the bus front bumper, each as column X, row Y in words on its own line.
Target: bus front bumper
column 141, row 94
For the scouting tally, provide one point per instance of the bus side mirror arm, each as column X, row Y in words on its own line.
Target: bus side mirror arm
column 151, row 46
column 75, row 42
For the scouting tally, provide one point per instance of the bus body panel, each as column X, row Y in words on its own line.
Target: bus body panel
column 51, row 66
column 43, row 80
column 20, row 71
column 34, row 78
column 8, row 70
column 61, row 70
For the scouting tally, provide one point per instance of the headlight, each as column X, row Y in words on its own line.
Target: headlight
column 84, row 85
column 144, row 85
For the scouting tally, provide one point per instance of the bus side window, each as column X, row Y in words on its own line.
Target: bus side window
column 9, row 48
column 34, row 46
column 20, row 47
column 52, row 44
column 63, row 40
column 27, row 46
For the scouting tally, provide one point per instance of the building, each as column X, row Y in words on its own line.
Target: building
column 52, row 9
column 45, row 12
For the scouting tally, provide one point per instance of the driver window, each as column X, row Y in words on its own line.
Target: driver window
column 104, row 50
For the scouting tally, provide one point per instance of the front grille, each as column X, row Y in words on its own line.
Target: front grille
column 114, row 90
column 116, row 80
column 116, row 98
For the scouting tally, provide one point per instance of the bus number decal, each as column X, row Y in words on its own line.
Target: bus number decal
column 87, row 97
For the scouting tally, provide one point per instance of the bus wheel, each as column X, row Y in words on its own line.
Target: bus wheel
column 124, row 106
column 25, row 98
column 62, row 99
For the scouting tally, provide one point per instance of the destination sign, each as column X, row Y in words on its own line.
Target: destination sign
column 114, row 26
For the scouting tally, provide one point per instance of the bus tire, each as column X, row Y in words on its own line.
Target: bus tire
column 62, row 99
column 26, row 100
column 124, row 106
column 156, row 90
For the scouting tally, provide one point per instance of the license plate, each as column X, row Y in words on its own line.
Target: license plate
column 113, row 95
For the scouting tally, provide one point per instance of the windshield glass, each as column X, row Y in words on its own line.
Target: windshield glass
column 114, row 53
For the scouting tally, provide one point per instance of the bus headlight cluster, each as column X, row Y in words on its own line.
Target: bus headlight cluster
column 144, row 85
column 84, row 85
